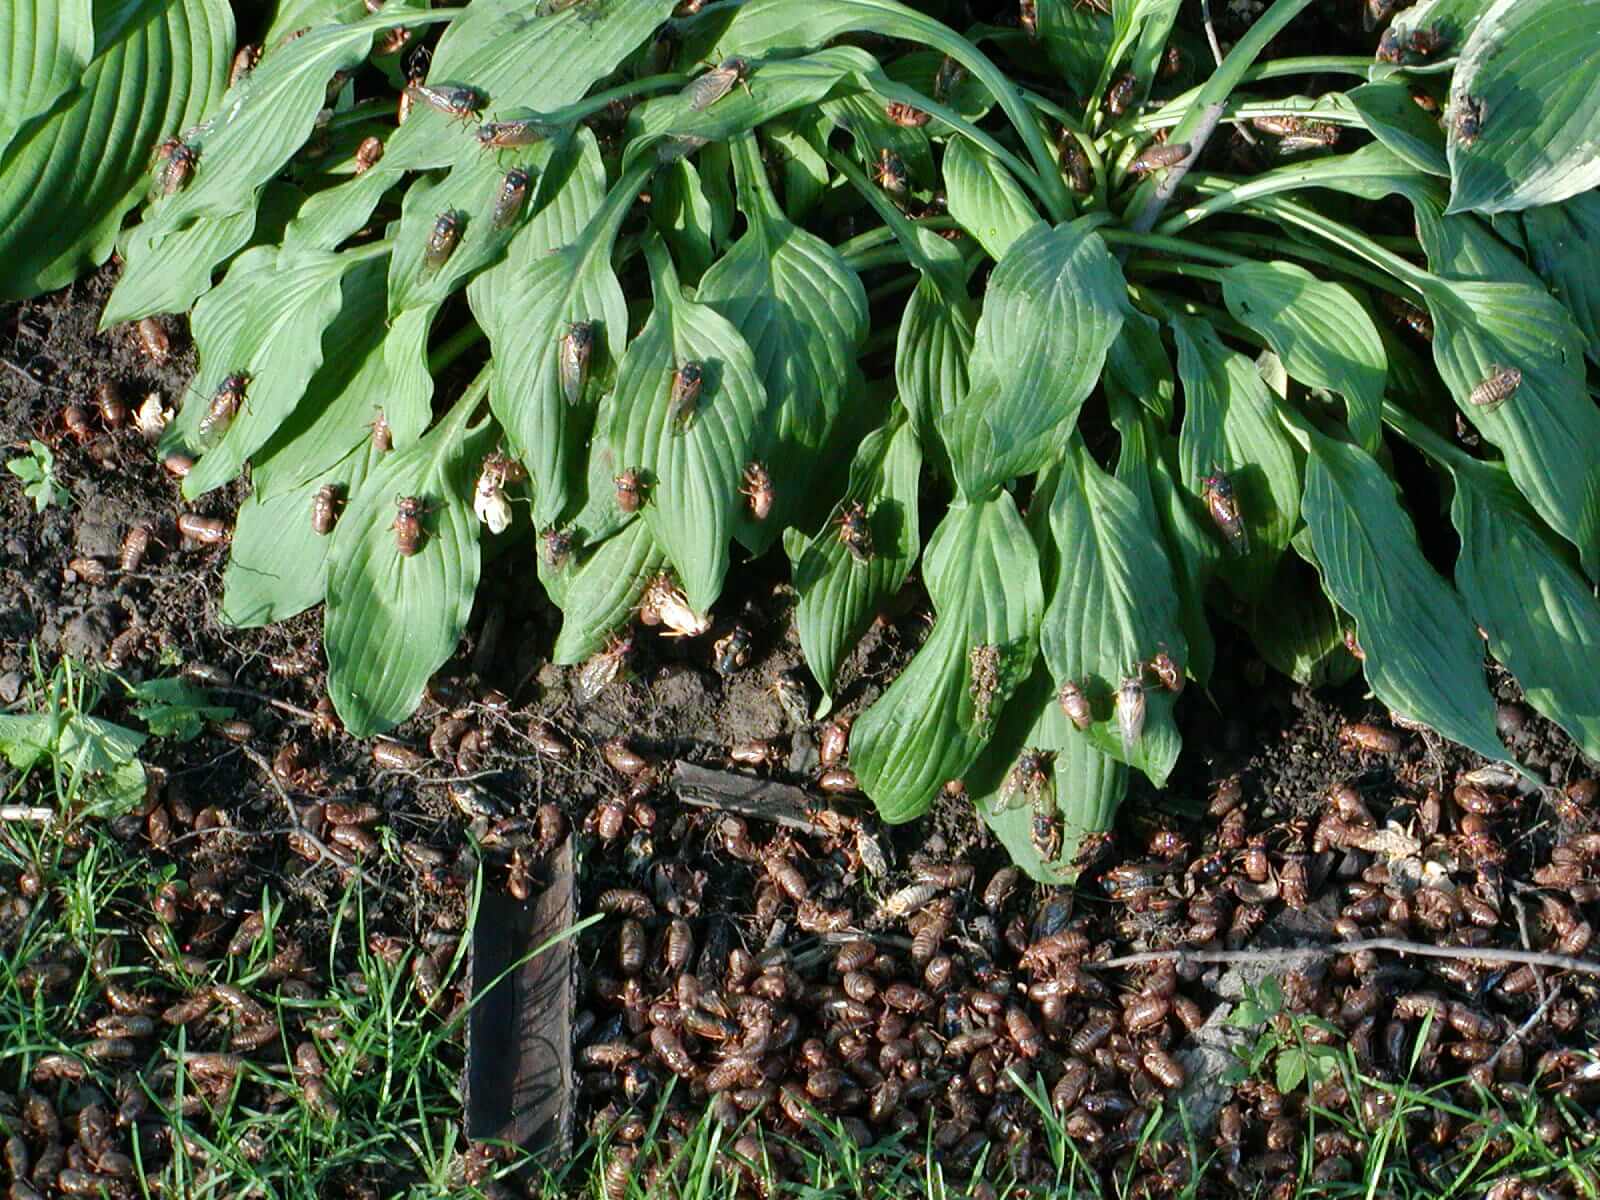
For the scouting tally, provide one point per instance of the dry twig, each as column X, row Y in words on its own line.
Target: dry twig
column 1290, row 954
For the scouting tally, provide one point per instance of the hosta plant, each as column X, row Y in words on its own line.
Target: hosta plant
column 1023, row 302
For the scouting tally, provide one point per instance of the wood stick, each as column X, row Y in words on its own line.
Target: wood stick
column 1288, row 954
column 26, row 812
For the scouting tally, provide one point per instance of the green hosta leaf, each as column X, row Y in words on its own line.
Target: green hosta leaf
column 1533, row 67
column 1087, row 785
column 1077, row 38
column 1053, row 307
column 682, row 215
column 1324, row 336
column 392, row 621
column 68, row 177
column 862, row 115
column 692, row 468
column 1191, row 550
column 277, row 562
column 983, row 577
column 568, row 191
column 1540, row 614
column 264, row 320
column 1231, row 423
column 291, row 15
column 1393, row 117
column 1452, row 21
column 933, row 347
column 1142, row 28
column 838, row 595
column 522, row 60
column 1564, row 245
column 775, row 88
column 602, row 589
column 1549, row 428
column 968, row 99
column 48, row 45
column 267, row 116
column 803, row 313
column 1112, row 607
column 986, row 198
column 1139, row 364
column 526, row 314
column 1423, row 657
column 1298, row 631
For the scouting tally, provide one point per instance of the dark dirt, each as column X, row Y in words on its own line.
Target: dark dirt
column 1278, row 745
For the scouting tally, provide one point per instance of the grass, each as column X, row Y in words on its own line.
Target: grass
column 388, row 1122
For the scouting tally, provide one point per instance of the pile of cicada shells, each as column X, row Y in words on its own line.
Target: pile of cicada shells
column 805, row 1010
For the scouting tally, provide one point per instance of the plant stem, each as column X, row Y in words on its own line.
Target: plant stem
column 1215, row 90
column 1171, row 245
column 1168, row 186
column 1318, row 255
column 1425, row 439
column 453, row 347
column 1337, row 64
column 1246, row 110
column 1049, row 185
column 1227, row 193
column 1343, row 236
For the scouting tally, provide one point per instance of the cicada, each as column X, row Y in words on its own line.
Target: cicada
column 224, row 406
column 1074, row 704
column 890, row 172
column 449, row 98
column 1496, row 388
column 855, row 531
column 498, row 135
column 1030, row 780
column 1469, row 120
column 508, row 204
column 1223, row 505
column 443, row 239
column 1158, row 155
column 175, row 165
column 687, row 380
column 757, row 489
column 1130, row 712
column 947, row 77
column 408, row 524
column 717, row 82
column 577, row 347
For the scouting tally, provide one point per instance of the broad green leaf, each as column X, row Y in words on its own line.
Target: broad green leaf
column 276, row 561
column 48, row 45
column 986, row 198
column 1321, row 332
column 982, row 573
column 968, row 98
column 69, row 177
column 521, row 59
column 1139, row 364
column 1077, row 39
column 1139, row 27
column 1564, row 245
column 803, row 313
column 526, row 314
column 775, row 88
column 391, row 621
column 839, row 596
column 1298, row 631
column 1113, row 606
column 1052, row 309
column 805, row 172
column 171, row 279
column 692, row 461
column 932, row 351
column 1549, row 428
column 264, row 320
column 568, row 190
column 862, row 115
column 1423, row 656
column 1451, row 21
column 1231, row 424
column 1393, row 117
column 1540, row 614
column 681, row 214
column 174, row 707
column 1088, row 785
column 1532, row 67
column 1191, row 551
column 602, row 590
column 288, row 16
